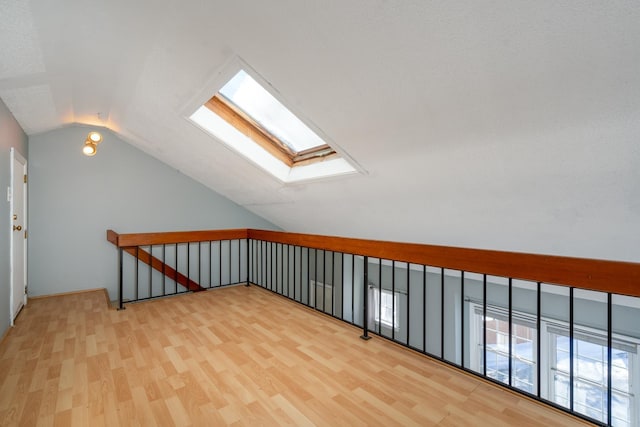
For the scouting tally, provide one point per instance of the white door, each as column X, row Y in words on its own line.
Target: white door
column 18, row 242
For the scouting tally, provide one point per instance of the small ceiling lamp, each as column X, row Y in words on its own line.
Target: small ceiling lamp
column 90, row 147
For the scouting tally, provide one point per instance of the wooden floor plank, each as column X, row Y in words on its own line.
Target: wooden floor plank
column 233, row 356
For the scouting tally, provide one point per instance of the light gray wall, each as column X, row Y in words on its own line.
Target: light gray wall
column 11, row 135
column 74, row 199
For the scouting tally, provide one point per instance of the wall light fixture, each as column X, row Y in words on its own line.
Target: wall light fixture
column 90, row 147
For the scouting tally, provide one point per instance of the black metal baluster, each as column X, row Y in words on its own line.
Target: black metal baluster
column 342, row 282
column 462, row 318
column 289, row 291
column 249, row 265
column 424, row 308
column 309, row 279
column 175, row 272
column 188, row 265
column 150, row 271
column 210, row 266
column 220, row 262
column 538, row 337
column 484, row 325
column 281, row 281
column 230, row 265
column 137, row 262
column 332, row 287
column 353, row 284
column 365, row 306
column 510, row 333
column 120, row 273
column 379, row 324
column 164, row 264
column 571, row 349
column 200, row 263
column 265, row 262
column 324, row 280
column 333, row 284
column 393, row 300
column 408, row 303
column 442, row 312
column 609, row 356
column 260, row 261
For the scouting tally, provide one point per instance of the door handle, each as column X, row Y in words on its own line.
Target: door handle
column 17, row 227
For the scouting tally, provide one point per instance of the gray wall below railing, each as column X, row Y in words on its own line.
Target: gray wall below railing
column 589, row 309
column 74, row 199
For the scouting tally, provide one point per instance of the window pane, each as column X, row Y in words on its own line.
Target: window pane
column 625, row 312
column 590, row 363
column 524, row 335
column 385, row 324
column 269, row 113
column 497, row 324
column 554, row 310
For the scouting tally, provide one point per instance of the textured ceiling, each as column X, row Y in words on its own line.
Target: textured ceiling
column 496, row 124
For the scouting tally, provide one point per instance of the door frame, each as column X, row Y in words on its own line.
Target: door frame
column 15, row 155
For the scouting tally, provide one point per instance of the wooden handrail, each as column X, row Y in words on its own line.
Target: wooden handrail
column 155, row 263
column 170, row 237
column 599, row 275
column 166, row 269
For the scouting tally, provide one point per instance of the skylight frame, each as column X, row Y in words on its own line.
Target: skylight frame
column 244, row 123
column 306, row 165
column 258, row 112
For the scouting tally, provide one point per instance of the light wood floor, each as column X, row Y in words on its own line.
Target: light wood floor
column 234, row 356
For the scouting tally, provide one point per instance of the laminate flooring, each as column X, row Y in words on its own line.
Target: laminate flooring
column 233, row 356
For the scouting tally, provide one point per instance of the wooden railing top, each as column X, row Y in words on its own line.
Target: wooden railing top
column 171, row 237
column 600, row 275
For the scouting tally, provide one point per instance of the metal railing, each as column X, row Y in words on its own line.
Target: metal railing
column 573, row 347
column 162, row 264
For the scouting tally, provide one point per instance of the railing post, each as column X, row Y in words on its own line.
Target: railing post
column 120, row 298
column 248, row 263
column 365, row 298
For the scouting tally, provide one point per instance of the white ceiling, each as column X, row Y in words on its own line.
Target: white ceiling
column 497, row 124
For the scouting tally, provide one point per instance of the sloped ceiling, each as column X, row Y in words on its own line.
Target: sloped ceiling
column 496, row 124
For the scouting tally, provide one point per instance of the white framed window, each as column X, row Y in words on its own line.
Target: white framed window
column 321, row 296
column 590, row 372
column 385, row 308
column 589, row 362
column 523, row 346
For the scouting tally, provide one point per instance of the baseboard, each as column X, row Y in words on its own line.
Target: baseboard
column 83, row 291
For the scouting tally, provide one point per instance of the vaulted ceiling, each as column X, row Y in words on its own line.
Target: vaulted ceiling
column 496, row 124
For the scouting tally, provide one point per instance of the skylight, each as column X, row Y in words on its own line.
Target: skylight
column 269, row 113
column 251, row 120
